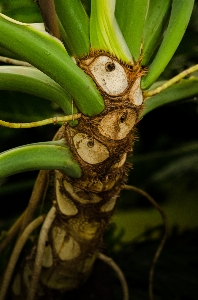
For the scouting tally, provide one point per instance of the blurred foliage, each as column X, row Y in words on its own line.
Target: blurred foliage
column 176, row 272
column 21, row 10
column 165, row 164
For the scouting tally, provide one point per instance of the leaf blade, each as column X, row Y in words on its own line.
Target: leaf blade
column 131, row 17
column 32, row 81
column 185, row 89
column 155, row 24
column 180, row 16
column 40, row 156
column 105, row 33
column 76, row 25
column 48, row 55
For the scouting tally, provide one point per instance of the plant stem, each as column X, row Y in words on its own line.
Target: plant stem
column 171, row 82
column 41, row 123
column 48, row 13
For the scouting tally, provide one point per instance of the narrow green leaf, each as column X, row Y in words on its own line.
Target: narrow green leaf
column 131, row 17
column 32, row 81
column 7, row 53
column 48, row 55
column 105, row 33
column 180, row 16
column 156, row 22
column 185, row 89
column 22, row 108
column 65, row 39
column 41, row 156
column 76, row 25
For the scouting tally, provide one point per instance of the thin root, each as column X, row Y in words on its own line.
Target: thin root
column 15, row 255
column 40, row 123
column 38, row 194
column 40, row 251
column 119, row 273
column 12, row 232
column 164, row 237
column 171, row 82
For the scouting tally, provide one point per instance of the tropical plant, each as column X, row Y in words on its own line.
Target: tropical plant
column 101, row 70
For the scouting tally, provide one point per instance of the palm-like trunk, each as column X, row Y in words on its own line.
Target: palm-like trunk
column 84, row 206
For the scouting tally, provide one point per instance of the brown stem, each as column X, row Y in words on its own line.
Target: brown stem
column 48, row 13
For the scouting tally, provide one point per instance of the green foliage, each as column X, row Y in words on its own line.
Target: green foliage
column 155, row 24
column 131, row 16
column 32, row 81
column 105, row 33
column 183, row 90
column 45, row 156
column 165, row 157
column 179, row 18
column 23, row 10
column 75, row 23
column 51, row 58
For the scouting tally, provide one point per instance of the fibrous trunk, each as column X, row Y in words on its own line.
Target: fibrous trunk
column 84, row 206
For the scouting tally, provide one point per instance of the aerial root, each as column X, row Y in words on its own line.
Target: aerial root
column 119, row 273
column 53, row 120
column 163, row 239
column 12, row 232
column 27, row 216
column 40, row 251
column 15, row 255
column 171, row 82
column 38, row 194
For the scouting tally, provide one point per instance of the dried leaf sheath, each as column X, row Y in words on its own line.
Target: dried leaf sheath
column 84, row 206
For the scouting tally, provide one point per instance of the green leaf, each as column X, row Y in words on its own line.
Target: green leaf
column 76, row 25
column 23, row 10
column 185, row 89
column 131, row 17
column 48, row 55
column 105, row 33
column 156, row 22
column 40, row 156
column 180, row 16
column 65, row 39
column 6, row 53
column 22, row 108
column 32, row 81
